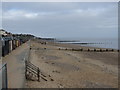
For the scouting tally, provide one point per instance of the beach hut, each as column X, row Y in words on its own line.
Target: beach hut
column 6, row 46
column 10, row 46
column 21, row 42
column 17, row 43
column 9, row 41
column 14, row 43
column 0, row 47
column 3, row 45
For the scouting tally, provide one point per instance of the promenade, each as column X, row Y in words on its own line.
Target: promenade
column 16, row 66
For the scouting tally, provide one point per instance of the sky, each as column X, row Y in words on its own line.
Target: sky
column 62, row 19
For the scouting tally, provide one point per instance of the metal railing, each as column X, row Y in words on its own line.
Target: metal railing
column 3, row 75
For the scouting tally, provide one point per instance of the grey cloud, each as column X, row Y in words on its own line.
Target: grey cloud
column 63, row 19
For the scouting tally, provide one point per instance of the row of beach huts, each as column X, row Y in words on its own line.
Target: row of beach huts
column 9, row 41
column 8, row 44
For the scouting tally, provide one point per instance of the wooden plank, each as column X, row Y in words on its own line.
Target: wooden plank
column 32, row 67
column 28, row 69
column 43, row 78
column 29, row 63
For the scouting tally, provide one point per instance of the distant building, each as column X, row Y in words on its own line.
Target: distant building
column 3, row 32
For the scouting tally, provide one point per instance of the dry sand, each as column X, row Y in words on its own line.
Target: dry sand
column 73, row 69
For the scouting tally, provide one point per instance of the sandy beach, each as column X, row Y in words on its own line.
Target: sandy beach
column 59, row 44
column 73, row 69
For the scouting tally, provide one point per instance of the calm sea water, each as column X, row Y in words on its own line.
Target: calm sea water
column 100, row 43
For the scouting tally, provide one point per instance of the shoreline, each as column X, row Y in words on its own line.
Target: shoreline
column 87, row 45
column 96, row 43
column 78, row 46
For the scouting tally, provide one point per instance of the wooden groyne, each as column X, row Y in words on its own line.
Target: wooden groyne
column 89, row 50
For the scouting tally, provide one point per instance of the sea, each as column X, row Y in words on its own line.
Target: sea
column 111, row 43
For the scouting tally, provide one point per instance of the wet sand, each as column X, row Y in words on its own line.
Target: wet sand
column 73, row 69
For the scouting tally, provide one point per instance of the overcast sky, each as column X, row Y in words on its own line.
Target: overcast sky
column 60, row 19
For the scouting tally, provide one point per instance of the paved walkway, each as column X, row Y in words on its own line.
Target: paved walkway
column 16, row 66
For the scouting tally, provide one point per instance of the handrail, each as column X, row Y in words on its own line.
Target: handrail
column 5, row 83
column 3, row 65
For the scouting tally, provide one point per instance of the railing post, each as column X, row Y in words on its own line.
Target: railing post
column 6, row 75
column 26, row 69
column 38, row 75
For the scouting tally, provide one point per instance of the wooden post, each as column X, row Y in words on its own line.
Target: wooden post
column 38, row 75
column 81, row 49
column 88, row 49
column 94, row 49
column 100, row 50
column 106, row 49
column 118, row 50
